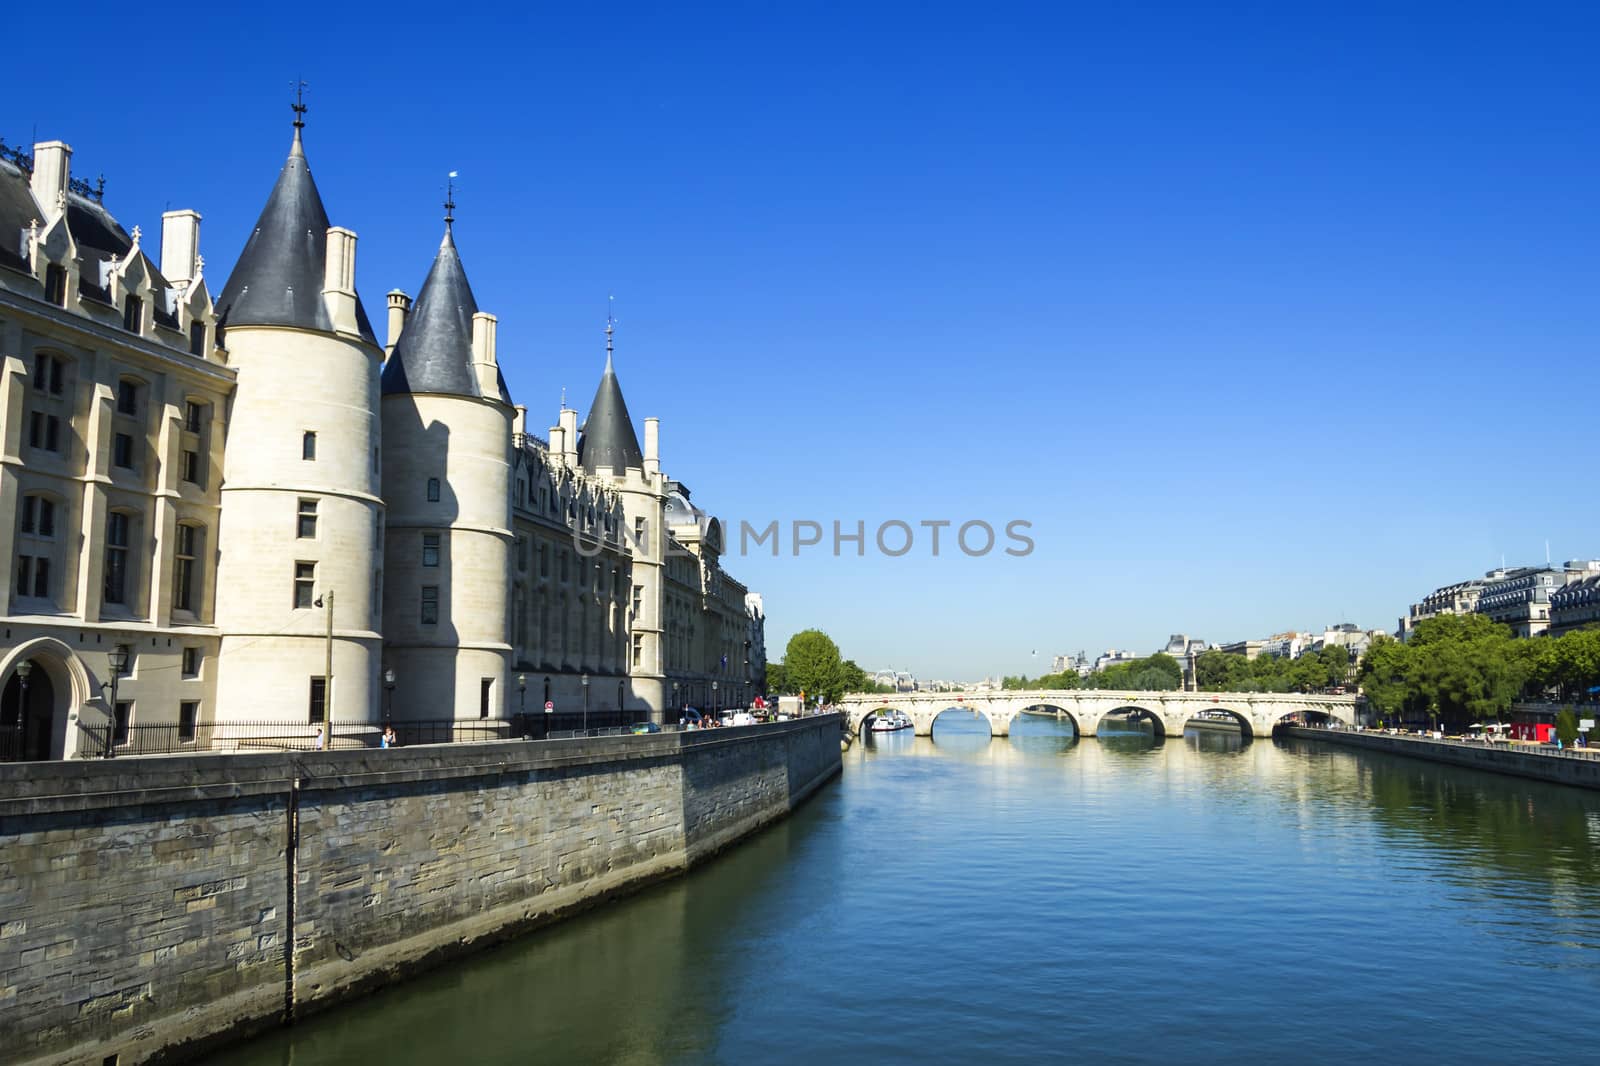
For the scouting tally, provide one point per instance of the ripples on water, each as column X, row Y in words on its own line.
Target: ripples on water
column 958, row 899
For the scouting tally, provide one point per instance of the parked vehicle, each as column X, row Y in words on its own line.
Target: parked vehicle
column 645, row 727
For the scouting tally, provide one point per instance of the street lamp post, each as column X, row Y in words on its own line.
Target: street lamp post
column 117, row 659
column 522, row 694
column 388, row 692
column 715, row 706
column 24, row 668
column 327, row 665
column 585, row 681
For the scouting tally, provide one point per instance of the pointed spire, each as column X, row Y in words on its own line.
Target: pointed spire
column 434, row 353
column 607, row 440
column 278, row 278
column 299, row 109
column 611, row 327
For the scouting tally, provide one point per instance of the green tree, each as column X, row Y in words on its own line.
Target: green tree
column 1567, row 726
column 778, row 680
column 812, row 665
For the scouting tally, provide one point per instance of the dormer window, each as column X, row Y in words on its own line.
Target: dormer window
column 197, row 337
column 55, row 284
column 132, row 314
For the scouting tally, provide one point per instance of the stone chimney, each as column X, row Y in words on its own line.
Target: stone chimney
column 180, row 245
column 557, row 445
column 484, row 359
column 399, row 307
column 519, row 422
column 569, row 436
column 339, row 280
column 652, row 447
column 52, row 170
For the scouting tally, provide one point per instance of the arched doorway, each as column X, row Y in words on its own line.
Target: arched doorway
column 28, row 714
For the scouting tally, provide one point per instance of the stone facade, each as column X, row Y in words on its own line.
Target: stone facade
column 185, row 899
column 231, row 491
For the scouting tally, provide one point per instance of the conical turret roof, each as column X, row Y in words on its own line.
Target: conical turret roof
column 434, row 353
column 279, row 276
column 607, row 440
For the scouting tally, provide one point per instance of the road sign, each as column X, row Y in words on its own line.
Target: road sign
column 549, row 706
column 1586, row 725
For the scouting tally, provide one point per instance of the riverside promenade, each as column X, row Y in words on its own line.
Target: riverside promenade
column 1580, row 767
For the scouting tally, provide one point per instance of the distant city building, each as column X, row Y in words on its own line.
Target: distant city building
column 1575, row 605
column 1349, row 636
column 1459, row 598
column 899, row 680
column 1520, row 598
column 1113, row 656
column 1079, row 664
column 1248, row 648
column 1290, row 645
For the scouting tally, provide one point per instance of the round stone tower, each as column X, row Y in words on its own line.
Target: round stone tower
column 447, row 483
column 299, row 538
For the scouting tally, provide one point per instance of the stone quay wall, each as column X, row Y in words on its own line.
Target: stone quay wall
column 153, row 908
column 1559, row 768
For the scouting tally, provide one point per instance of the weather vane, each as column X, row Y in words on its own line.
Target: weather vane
column 450, row 197
column 299, row 105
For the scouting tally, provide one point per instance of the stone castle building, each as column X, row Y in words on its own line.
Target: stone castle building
column 267, row 515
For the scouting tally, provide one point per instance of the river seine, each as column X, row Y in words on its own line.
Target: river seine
column 960, row 899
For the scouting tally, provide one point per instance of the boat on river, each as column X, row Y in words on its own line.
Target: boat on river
column 892, row 722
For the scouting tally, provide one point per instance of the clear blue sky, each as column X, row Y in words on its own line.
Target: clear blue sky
column 1264, row 316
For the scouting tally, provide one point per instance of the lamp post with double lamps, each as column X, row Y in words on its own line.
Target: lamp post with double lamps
column 585, row 682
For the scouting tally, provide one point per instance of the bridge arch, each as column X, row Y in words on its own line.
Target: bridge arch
column 1133, row 712
column 865, row 714
column 967, row 708
column 1247, row 728
column 1059, row 710
column 1314, row 717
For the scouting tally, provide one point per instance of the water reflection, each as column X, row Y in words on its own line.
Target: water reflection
column 1210, row 739
column 1035, row 734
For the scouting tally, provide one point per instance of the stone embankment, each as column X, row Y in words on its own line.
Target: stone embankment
column 1579, row 768
column 160, row 906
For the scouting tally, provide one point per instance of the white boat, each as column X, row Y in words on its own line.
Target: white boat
column 892, row 722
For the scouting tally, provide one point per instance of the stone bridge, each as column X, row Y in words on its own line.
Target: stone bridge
column 1256, row 712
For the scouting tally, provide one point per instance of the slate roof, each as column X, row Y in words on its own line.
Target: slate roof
column 278, row 278
column 434, row 353
column 99, row 237
column 607, row 438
